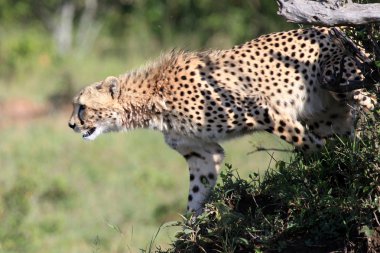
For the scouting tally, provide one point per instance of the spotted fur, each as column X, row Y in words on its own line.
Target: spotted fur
column 197, row 99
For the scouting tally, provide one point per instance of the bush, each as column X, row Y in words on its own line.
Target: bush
column 327, row 202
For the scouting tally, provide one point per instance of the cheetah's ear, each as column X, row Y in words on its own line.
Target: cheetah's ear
column 112, row 84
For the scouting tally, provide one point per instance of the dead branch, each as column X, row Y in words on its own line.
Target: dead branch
column 328, row 13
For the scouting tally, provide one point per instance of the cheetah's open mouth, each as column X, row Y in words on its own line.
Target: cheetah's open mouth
column 87, row 134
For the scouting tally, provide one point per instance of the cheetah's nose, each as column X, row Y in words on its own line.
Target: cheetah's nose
column 72, row 125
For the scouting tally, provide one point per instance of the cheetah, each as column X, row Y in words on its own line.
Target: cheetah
column 197, row 99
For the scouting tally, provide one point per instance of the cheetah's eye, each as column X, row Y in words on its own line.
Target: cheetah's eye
column 80, row 113
column 81, row 108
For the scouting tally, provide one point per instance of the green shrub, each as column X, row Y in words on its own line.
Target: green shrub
column 327, row 202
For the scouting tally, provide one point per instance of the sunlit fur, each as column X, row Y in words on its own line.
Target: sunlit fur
column 197, row 99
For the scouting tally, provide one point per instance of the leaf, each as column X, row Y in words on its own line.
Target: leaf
column 188, row 231
column 243, row 241
column 367, row 231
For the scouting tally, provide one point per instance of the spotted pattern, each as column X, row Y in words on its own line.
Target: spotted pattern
column 196, row 99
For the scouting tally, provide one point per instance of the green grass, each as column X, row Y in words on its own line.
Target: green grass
column 62, row 194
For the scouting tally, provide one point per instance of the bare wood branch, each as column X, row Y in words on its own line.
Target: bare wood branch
column 328, row 13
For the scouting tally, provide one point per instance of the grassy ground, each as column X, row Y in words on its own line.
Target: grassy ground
column 62, row 194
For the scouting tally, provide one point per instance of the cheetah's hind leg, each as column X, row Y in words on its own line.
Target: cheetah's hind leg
column 269, row 118
column 295, row 133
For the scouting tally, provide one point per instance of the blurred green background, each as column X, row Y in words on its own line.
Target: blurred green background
column 61, row 194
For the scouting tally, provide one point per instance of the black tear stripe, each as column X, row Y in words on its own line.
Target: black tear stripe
column 194, row 154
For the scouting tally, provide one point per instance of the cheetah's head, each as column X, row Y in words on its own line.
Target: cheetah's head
column 97, row 110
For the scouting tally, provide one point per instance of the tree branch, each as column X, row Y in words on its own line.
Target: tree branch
column 328, row 13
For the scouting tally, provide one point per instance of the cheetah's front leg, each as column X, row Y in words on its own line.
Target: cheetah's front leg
column 204, row 159
column 364, row 99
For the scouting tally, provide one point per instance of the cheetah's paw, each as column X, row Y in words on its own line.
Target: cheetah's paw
column 365, row 100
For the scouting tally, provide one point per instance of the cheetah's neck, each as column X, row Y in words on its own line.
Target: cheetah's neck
column 145, row 91
column 143, row 94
